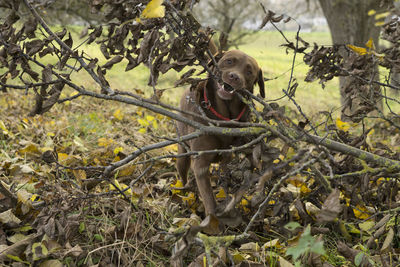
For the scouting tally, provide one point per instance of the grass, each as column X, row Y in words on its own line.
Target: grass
column 76, row 127
column 277, row 63
column 272, row 58
column 265, row 46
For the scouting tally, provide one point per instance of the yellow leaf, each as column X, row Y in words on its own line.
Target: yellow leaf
column 304, row 189
column 149, row 118
column 105, row 142
column 115, row 184
column 142, row 130
column 118, row 149
column 154, row 9
column 221, row 194
column 127, row 192
column 73, row 93
column 273, row 123
column 29, row 149
column 361, row 212
column 272, row 244
column 382, row 15
column 177, row 184
column 341, row 125
column 5, row 131
column 160, row 117
column 62, row 156
column 370, row 44
column 371, row 12
column 118, row 115
column 35, row 197
column 50, row 134
column 120, row 187
column 244, row 202
column 155, row 125
column 143, row 122
column 173, row 147
column 189, row 199
column 381, row 180
column 126, row 170
column 358, row 50
column 238, row 257
column 379, row 23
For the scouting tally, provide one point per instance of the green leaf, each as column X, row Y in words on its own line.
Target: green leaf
column 82, row 227
column 292, row 226
column 16, row 258
column 318, row 248
column 98, row 237
column 358, row 258
column 24, row 228
column 307, row 243
column 17, row 237
column 295, row 252
column 39, row 251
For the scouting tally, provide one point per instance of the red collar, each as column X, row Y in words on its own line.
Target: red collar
column 208, row 106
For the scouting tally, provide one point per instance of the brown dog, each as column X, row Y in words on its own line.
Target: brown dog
column 219, row 102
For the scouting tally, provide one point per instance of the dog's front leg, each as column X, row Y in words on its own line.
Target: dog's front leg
column 201, row 171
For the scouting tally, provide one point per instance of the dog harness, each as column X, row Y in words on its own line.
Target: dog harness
column 208, row 106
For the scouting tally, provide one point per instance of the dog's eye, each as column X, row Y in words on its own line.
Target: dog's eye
column 249, row 72
column 229, row 61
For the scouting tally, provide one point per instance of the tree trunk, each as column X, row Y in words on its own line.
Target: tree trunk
column 350, row 23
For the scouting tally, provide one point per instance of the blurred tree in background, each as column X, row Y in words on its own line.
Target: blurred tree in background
column 352, row 22
column 234, row 19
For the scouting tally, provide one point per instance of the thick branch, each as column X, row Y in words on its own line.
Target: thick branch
column 392, row 165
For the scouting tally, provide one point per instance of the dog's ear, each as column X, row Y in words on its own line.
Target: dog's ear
column 260, row 81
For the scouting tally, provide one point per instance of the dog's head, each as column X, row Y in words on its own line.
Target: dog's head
column 239, row 71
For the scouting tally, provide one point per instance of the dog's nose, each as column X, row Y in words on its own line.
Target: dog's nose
column 233, row 76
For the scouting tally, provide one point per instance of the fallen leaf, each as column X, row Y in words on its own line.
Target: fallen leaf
column 154, row 9
column 388, row 241
column 51, row 263
column 331, row 208
column 341, row 125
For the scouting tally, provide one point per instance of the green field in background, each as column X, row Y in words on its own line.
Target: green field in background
column 265, row 46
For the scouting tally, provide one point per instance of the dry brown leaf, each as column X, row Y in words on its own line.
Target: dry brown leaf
column 331, row 208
